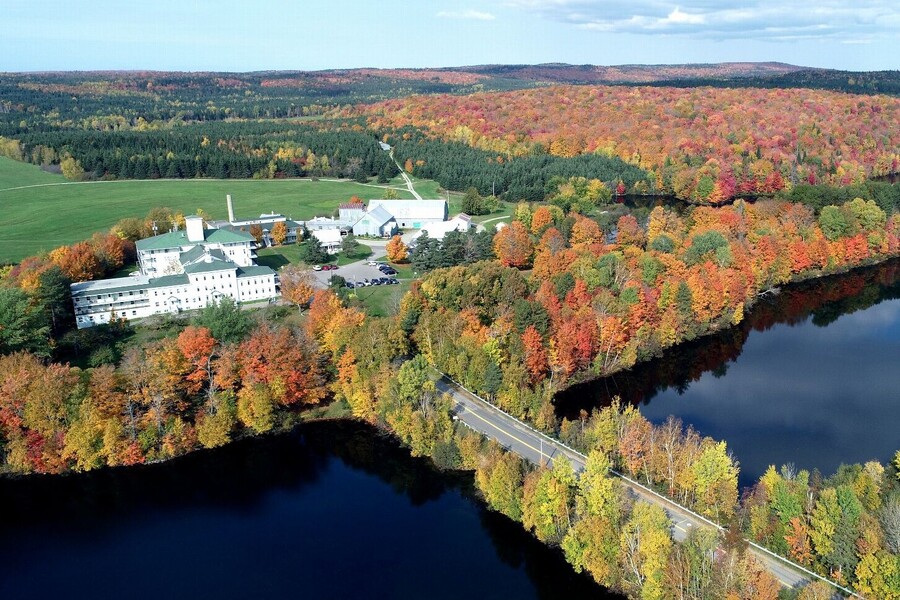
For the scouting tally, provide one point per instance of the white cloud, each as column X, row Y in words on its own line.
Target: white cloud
column 471, row 14
column 778, row 20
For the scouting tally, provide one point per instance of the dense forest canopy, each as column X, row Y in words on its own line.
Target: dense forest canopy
column 704, row 145
column 233, row 149
column 503, row 129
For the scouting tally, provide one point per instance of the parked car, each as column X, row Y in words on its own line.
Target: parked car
column 372, row 263
column 317, row 267
column 394, row 281
column 349, row 285
column 389, row 272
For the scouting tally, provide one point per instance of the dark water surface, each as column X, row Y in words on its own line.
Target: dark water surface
column 811, row 377
column 333, row 510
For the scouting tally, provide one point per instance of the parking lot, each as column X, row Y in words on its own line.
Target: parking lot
column 354, row 273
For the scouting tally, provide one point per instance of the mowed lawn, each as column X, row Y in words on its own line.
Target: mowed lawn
column 14, row 174
column 55, row 212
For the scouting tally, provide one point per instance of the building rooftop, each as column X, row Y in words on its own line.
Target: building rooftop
column 327, row 236
column 179, row 239
column 173, row 239
column 106, row 286
column 413, row 209
column 227, row 236
column 254, row 271
column 169, row 281
column 208, row 267
column 379, row 214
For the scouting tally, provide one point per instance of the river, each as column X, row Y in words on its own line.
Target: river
column 811, row 377
column 332, row 510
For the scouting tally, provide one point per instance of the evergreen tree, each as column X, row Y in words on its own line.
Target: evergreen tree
column 473, row 203
column 312, row 252
column 22, row 325
column 225, row 320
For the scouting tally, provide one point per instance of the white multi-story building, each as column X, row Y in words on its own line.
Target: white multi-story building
column 160, row 255
column 179, row 270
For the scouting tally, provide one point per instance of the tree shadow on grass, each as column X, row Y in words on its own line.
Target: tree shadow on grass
column 273, row 261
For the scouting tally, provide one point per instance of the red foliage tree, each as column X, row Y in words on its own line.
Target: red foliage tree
column 289, row 365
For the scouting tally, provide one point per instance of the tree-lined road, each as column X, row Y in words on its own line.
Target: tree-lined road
column 538, row 448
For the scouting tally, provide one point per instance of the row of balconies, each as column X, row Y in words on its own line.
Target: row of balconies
column 106, row 307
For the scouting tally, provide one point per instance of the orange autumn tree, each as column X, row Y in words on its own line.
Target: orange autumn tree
column 535, row 354
column 296, row 285
column 541, row 220
column 78, row 261
column 513, row 246
column 279, row 233
column 396, row 250
column 197, row 345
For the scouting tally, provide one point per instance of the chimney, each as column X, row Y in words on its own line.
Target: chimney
column 230, row 208
column 194, row 226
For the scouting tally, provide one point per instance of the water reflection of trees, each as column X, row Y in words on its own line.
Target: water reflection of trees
column 546, row 567
column 234, row 476
column 821, row 302
column 238, row 477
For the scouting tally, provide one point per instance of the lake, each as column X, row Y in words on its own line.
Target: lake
column 332, row 510
column 811, row 377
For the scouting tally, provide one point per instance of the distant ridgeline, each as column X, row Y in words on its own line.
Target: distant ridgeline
column 499, row 128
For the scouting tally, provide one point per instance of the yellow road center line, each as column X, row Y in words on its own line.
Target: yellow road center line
column 526, row 444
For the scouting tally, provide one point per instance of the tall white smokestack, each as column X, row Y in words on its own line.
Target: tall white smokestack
column 230, row 208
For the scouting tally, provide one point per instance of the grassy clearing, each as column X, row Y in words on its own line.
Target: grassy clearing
column 15, row 174
column 344, row 259
column 381, row 300
column 503, row 214
column 278, row 256
column 39, row 219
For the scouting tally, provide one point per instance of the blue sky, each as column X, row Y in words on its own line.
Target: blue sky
column 231, row 35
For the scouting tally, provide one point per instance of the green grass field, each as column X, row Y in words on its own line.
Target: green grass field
column 278, row 256
column 15, row 174
column 55, row 212
column 382, row 300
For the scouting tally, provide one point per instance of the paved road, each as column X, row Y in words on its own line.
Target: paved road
column 537, row 448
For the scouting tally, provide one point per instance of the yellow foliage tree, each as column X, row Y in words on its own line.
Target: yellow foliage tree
column 279, row 233
column 396, row 250
column 71, row 169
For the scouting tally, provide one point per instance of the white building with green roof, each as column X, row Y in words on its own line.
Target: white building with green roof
column 179, row 270
column 160, row 255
